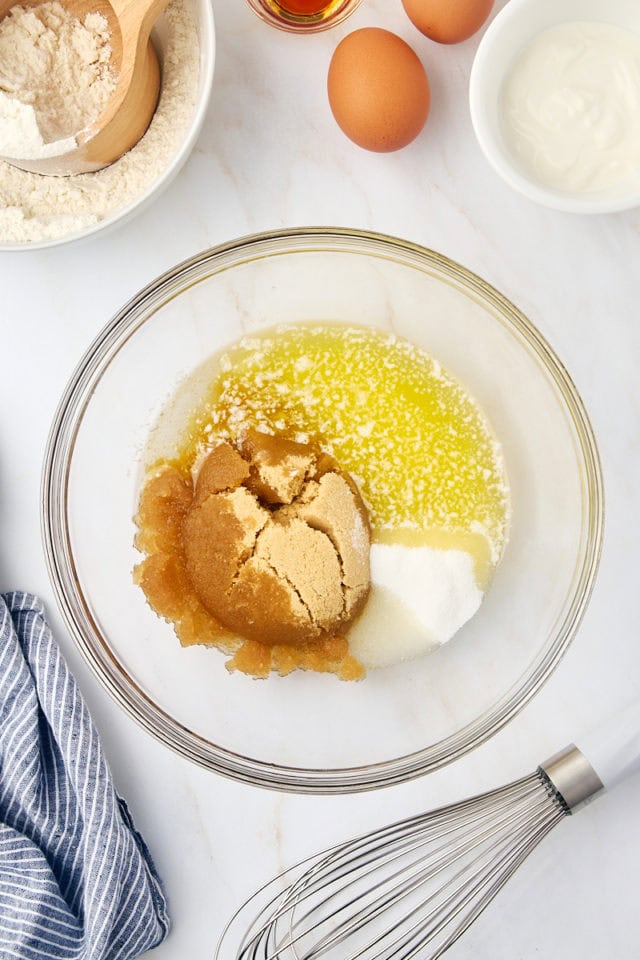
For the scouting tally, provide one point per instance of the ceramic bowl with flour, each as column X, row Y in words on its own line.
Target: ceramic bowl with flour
column 39, row 211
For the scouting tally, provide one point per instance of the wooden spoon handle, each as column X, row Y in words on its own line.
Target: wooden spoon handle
column 136, row 18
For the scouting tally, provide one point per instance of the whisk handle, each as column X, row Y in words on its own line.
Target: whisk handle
column 601, row 759
column 613, row 749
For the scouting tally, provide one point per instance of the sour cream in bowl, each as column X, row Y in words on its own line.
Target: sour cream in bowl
column 555, row 102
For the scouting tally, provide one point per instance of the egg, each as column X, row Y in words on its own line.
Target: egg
column 378, row 90
column 448, row 21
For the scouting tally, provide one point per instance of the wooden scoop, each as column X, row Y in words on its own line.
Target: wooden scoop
column 128, row 113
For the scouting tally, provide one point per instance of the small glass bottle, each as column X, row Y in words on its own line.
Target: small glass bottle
column 303, row 16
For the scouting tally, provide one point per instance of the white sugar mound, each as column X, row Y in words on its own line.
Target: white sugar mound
column 420, row 597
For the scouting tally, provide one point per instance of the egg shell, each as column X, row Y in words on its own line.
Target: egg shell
column 378, row 90
column 448, row 21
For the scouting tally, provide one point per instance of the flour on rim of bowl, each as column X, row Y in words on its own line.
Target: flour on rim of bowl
column 34, row 207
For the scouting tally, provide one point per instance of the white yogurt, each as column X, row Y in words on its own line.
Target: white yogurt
column 420, row 597
column 571, row 107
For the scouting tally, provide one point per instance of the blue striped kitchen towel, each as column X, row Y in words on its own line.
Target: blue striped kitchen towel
column 76, row 880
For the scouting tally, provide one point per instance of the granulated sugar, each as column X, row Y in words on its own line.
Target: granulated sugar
column 34, row 207
column 420, row 598
column 56, row 78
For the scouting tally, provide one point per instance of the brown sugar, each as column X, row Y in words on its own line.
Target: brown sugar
column 266, row 555
column 279, row 467
column 223, row 469
column 329, row 508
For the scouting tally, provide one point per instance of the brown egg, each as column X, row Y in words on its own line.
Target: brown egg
column 378, row 90
column 448, row 21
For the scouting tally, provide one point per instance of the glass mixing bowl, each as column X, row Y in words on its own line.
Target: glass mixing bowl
column 310, row 732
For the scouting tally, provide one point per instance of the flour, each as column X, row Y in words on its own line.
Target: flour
column 20, row 135
column 34, row 207
column 55, row 78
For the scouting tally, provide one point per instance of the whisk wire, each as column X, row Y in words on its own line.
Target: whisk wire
column 490, row 892
column 443, row 902
column 401, row 884
column 461, row 898
column 408, row 890
column 430, row 824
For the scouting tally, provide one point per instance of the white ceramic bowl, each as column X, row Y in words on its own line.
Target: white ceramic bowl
column 511, row 30
column 203, row 14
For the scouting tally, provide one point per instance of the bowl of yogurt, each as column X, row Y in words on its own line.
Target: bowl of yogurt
column 555, row 102
column 203, row 518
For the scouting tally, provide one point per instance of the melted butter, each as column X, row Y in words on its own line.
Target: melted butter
column 475, row 544
column 419, row 447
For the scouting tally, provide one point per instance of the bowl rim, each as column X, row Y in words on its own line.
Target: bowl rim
column 76, row 612
column 497, row 158
column 207, row 40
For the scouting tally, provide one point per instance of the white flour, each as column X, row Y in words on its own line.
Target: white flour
column 20, row 134
column 55, row 78
column 35, row 207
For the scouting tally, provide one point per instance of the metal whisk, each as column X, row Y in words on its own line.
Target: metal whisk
column 411, row 889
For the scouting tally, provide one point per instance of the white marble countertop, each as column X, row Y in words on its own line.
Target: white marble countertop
column 271, row 156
